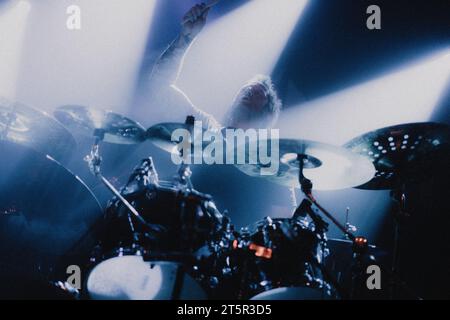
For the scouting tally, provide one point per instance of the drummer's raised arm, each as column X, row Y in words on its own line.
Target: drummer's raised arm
column 169, row 64
column 162, row 81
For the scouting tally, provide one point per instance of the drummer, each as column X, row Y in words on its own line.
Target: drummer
column 256, row 104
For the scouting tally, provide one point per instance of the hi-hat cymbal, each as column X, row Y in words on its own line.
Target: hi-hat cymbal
column 44, row 209
column 87, row 121
column 403, row 153
column 35, row 129
column 327, row 166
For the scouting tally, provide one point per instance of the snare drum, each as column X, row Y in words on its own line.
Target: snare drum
column 157, row 260
column 278, row 259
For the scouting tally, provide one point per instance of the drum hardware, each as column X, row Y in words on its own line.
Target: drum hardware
column 156, row 257
column 94, row 161
column 293, row 198
column 360, row 247
column 348, row 226
column 321, row 228
column 183, row 176
column 161, row 136
column 175, row 222
column 360, row 244
column 181, row 240
column 402, row 154
column 68, row 289
column 142, row 176
column 328, row 166
column 306, row 187
column 277, row 260
column 113, row 127
column 400, row 216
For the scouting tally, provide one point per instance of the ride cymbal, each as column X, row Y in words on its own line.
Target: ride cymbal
column 328, row 167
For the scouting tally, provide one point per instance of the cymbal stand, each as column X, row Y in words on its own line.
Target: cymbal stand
column 94, row 161
column 321, row 228
column 400, row 214
column 184, row 172
column 306, row 187
column 360, row 244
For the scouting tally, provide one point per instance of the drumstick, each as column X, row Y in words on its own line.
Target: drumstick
column 208, row 5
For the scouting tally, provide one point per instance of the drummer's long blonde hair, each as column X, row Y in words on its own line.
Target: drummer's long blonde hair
column 271, row 111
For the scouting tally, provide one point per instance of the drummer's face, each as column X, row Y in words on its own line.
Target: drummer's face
column 250, row 104
column 253, row 97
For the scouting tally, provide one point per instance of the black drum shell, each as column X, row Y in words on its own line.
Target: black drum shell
column 294, row 247
column 177, row 221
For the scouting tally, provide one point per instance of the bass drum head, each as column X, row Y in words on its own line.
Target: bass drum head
column 132, row 278
column 293, row 293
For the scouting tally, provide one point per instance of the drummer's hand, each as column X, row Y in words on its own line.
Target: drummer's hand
column 194, row 21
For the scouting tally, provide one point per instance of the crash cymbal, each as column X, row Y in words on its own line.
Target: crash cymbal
column 403, row 153
column 44, row 209
column 161, row 134
column 86, row 121
column 35, row 129
column 327, row 166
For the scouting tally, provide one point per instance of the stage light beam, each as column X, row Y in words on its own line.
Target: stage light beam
column 96, row 65
column 13, row 22
column 408, row 94
column 232, row 49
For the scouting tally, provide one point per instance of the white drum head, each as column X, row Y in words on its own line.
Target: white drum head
column 132, row 278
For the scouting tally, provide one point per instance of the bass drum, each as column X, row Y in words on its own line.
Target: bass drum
column 158, row 260
column 128, row 275
column 277, row 261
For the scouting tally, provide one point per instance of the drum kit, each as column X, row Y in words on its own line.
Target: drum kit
column 160, row 239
